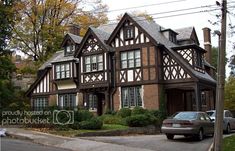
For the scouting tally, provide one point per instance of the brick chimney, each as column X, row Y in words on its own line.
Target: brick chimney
column 74, row 29
column 207, row 44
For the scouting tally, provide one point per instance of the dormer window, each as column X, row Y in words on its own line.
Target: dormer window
column 129, row 32
column 172, row 37
column 69, row 49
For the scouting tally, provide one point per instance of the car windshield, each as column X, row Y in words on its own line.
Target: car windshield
column 185, row 115
column 211, row 113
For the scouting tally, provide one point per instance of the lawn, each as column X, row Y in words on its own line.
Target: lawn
column 229, row 143
column 73, row 133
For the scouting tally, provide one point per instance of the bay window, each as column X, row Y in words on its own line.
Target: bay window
column 62, row 71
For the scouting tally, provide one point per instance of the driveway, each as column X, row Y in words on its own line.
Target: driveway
column 157, row 142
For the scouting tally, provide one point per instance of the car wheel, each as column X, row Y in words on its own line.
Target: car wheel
column 228, row 129
column 169, row 136
column 200, row 135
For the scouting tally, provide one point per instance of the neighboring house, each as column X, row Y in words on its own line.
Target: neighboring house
column 134, row 63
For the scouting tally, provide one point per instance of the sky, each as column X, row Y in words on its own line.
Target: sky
column 197, row 20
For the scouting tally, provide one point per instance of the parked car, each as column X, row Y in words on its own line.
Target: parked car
column 188, row 123
column 228, row 121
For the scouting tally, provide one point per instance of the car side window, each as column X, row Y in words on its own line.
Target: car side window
column 201, row 117
column 227, row 114
column 207, row 117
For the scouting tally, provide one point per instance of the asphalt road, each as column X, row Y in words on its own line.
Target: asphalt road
column 9, row 144
column 158, row 142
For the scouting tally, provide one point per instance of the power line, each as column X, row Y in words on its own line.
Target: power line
column 127, row 8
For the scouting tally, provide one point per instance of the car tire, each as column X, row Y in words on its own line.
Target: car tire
column 200, row 135
column 228, row 129
column 170, row 136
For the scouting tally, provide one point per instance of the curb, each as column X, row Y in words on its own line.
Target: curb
column 12, row 135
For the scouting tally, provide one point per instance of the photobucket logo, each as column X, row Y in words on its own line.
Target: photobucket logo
column 63, row 117
column 21, row 121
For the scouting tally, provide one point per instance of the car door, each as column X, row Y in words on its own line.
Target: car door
column 209, row 123
column 203, row 123
column 231, row 120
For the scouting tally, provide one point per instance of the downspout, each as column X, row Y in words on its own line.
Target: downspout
column 113, row 80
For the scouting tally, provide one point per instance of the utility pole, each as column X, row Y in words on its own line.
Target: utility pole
column 218, row 134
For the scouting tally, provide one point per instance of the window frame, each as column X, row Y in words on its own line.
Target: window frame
column 93, row 65
column 136, row 59
column 129, row 32
column 132, row 97
column 40, row 103
column 71, row 47
column 68, row 100
column 63, row 69
column 92, row 102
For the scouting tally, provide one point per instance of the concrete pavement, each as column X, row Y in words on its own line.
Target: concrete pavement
column 66, row 142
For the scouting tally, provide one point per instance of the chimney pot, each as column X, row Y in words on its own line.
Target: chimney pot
column 74, row 29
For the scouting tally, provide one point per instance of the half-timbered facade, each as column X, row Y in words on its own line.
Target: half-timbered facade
column 135, row 63
column 57, row 78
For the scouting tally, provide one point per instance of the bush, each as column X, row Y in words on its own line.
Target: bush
column 124, row 112
column 75, row 125
column 160, row 115
column 110, row 112
column 138, row 110
column 139, row 120
column 91, row 124
column 111, row 119
column 82, row 115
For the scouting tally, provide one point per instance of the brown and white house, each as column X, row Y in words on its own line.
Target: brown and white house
column 132, row 63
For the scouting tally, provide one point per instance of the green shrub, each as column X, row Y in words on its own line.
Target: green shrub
column 124, row 112
column 138, row 120
column 75, row 125
column 110, row 112
column 152, row 119
column 111, row 119
column 91, row 124
column 160, row 115
column 82, row 115
column 138, row 110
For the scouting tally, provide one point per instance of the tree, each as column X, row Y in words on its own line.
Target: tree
column 41, row 24
column 6, row 65
column 214, row 57
column 6, row 18
column 138, row 14
column 229, row 102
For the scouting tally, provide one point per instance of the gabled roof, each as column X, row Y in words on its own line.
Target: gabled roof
column 48, row 62
column 150, row 28
column 75, row 39
column 62, row 58
column 101, row 35
column 186, row 34
column 31, row 88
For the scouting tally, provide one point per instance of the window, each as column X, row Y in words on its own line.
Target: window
column 93, row 63
column 172, row 37
column 131, row 96
column 69, row 49
column 62, row 71
column 67, row 101
column 92, row 104
column 203, row 98
column 40, row 103
column 129, row 32
column 130, row 59
column 198, row 59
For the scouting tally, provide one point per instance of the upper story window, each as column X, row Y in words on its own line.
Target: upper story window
column 198, row 60
column 69, row 49
column 94, row 63
column 172, row 37
column 129, row 32
column 130, row 59
column 62, row 71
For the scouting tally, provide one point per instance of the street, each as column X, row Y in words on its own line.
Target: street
column 157, row 142
column 9, row 144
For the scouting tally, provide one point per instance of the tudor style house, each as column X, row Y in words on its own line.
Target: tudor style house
column 132, row 63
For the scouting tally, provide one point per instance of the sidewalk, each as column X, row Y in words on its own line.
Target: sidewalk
column 66, row 142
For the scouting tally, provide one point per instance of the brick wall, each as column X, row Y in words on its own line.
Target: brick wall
column 151, row 96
